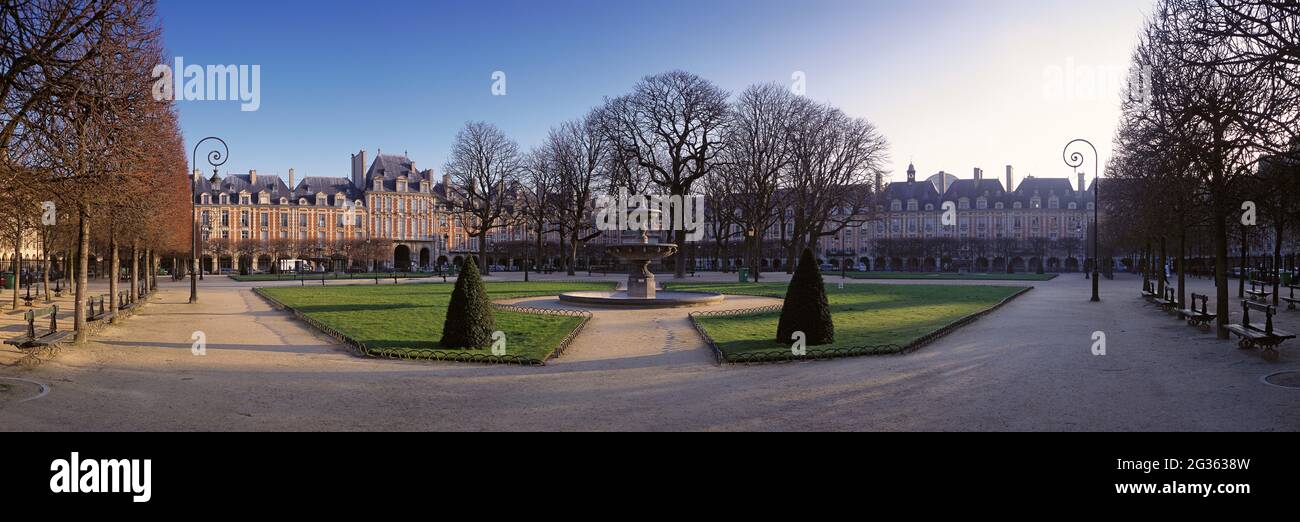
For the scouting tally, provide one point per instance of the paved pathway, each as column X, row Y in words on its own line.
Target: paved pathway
column 1025, row 367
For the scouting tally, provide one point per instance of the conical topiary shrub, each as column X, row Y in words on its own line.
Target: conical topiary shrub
column 806, row 309
column 469, row 322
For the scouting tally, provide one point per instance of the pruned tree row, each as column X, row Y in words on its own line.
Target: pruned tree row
column 92, row 166
column 1208, row 150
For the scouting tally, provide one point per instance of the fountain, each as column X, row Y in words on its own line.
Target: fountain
column 641, row 291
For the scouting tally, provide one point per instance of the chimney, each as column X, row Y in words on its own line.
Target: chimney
column 1082, row 187
column 359, row 169
column 446, row 182
column 198, row 175
column 413, row 169
column 291, row 186
column 252, row 177
column 979, row 174
column 1011, row 179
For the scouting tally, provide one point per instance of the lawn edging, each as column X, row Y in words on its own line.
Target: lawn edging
column 824, row 354
column 361, row 350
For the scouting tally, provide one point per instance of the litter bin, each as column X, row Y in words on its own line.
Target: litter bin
column 1286, row 279
column 744, row 275
column 7, row 281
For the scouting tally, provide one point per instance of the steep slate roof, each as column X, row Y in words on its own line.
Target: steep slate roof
column 389, row 167
column 922, row 191
column 925, row 192
column 971, row 189
column 330, row 186
column 233, row 184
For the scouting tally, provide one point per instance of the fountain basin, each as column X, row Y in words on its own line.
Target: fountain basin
column 621, row 298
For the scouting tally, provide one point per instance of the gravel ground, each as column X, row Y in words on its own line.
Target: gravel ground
column 1027, row 366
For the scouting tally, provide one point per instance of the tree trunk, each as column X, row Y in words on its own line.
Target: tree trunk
column 1245, row 265
column 45, row 275
column 1221, row 270
column 1182, row 265
column 135, row 270
column 114, row 267
column 18, row 262
column 570, row 265
column 482, row 252
column 83, row 266
column 1279, row 230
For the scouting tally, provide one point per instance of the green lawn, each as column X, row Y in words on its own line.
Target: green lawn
column 864, row 314
column 327, row 275
column 401, row 320
column 945, row 276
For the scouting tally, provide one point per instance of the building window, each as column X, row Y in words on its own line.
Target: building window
column 244, row 199
column 982, row 204
column 284, row 220
column 243, row 219
column 896, row 206
column 225, row 218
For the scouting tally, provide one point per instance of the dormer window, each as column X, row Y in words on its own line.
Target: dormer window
column 1016, row 206
column 205, row 199
column 998, row 205
column 896, row 206
column 339, row 200
column 1036, row 203
column 244, row 199
column 263, row 198
column 929, row 207
column 401, row 185
column 379, row 184
column 321, row 200
column 225, row 199
column 302, row 201
column 284, row 200
column 1073, row 205
column 1053, row 203
column 912, row 205
column 963, row 204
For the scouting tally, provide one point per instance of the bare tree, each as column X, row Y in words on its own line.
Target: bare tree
column 672, row 126
column 581, row 158
column 483, row 165
column 836, row 159
column 758, row 153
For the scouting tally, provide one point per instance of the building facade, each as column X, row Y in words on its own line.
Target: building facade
column 251, row 221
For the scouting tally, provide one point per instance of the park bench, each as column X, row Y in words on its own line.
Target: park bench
column 1149, row 291
column 1258, row 291
column 1200, row 318
column 1291, row 302
column 1256, row 335
column 1169, row 301
column 101, row 314
column 50, row 338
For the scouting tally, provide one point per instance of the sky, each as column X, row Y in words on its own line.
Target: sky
column 952, row 84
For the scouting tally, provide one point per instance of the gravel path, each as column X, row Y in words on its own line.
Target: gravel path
column 1028, row 366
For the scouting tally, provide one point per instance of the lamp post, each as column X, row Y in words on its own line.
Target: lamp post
column 215, row 158
column 1075, row 160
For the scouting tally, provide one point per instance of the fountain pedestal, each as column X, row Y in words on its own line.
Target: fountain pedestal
column 641, row 281
column 641, row 290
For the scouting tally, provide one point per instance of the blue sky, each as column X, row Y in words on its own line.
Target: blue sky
column 953, row 84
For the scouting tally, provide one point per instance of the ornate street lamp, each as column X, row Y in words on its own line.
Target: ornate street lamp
column 215, row 158
column 1075, row 160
